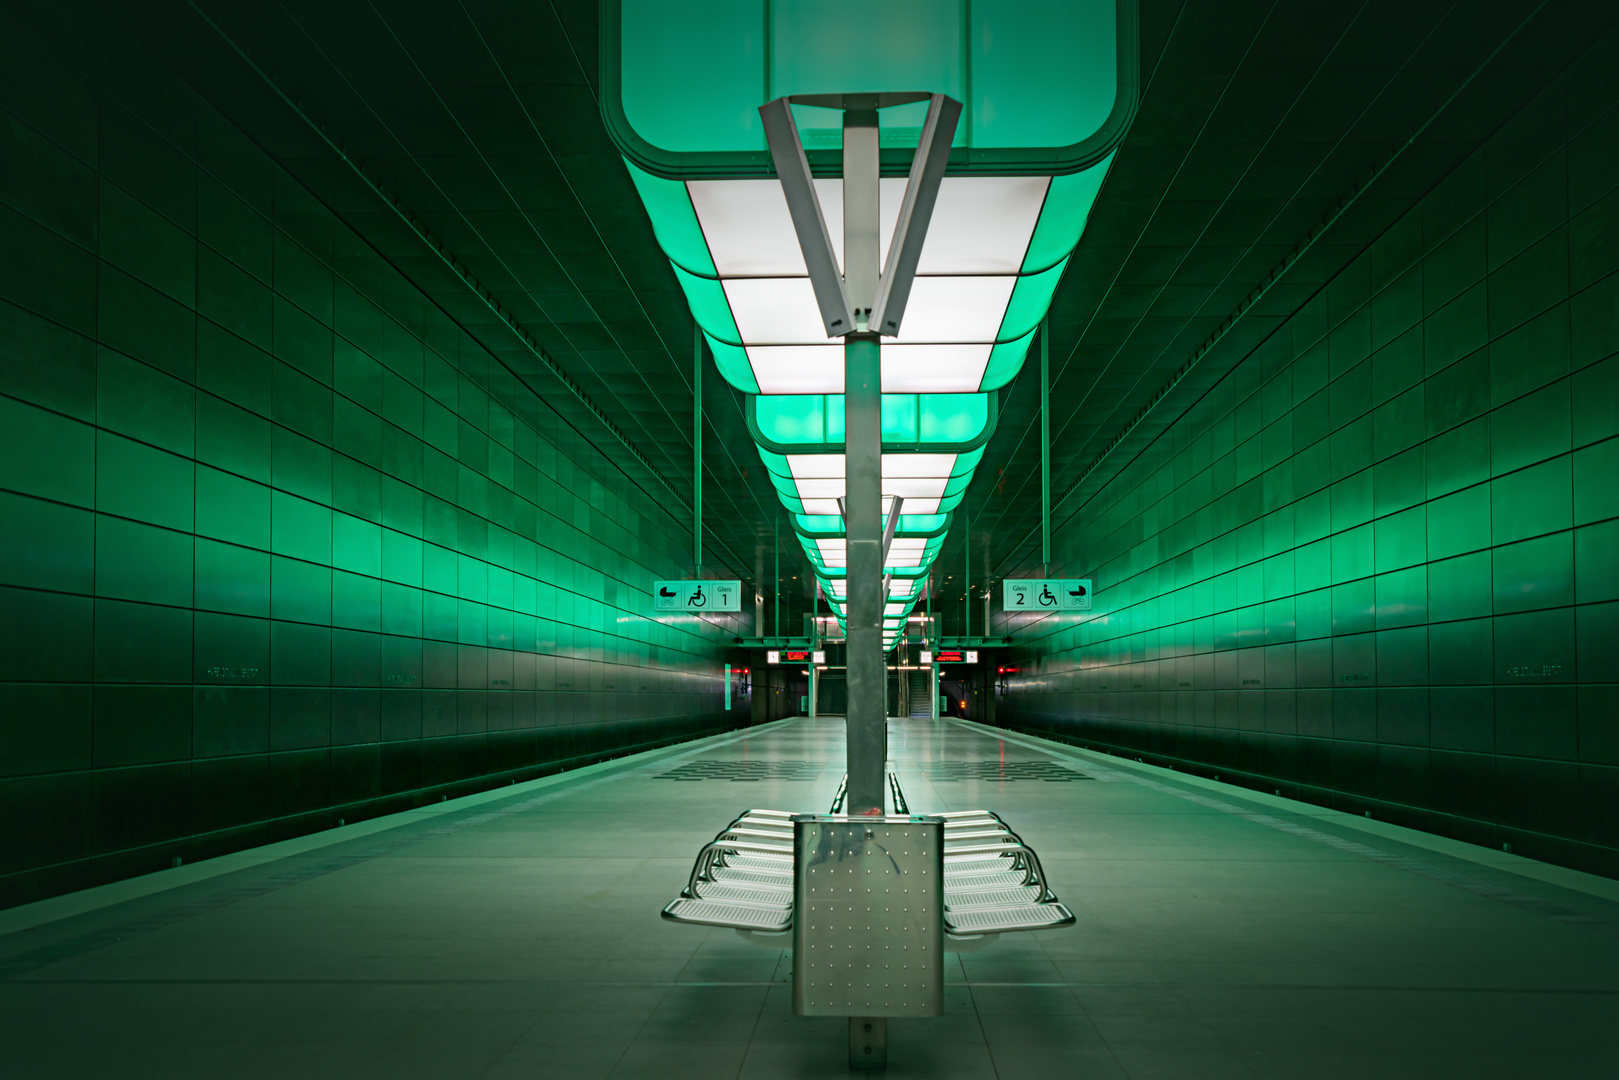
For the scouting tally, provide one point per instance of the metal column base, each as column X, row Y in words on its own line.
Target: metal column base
column 868, row 1042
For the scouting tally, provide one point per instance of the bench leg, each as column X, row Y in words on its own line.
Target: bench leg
column 868, row 1042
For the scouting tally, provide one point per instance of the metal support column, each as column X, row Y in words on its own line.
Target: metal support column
column 966, row 573
column 697, row 450
column 865, row 300
column 815, row 644
column 1045, row 448
column 866, row 667
column 862, row 387
column 868, row 1042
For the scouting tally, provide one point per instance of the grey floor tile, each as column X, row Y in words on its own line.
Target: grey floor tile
column 529, row 944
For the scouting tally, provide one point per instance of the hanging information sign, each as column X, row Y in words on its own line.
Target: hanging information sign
column 1046, row 594
column 697, row 596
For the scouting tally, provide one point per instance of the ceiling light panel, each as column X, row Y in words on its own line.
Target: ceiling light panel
column 932, row 368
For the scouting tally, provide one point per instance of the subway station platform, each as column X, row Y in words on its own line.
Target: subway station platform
column 1222, row 933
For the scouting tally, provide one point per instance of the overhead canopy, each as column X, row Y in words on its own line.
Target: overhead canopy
column 1049, row 88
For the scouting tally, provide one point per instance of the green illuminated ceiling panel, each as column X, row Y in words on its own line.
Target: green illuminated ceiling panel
column 996, row 249
column 1050, row 85
column 1049, row 88
column 811, row 423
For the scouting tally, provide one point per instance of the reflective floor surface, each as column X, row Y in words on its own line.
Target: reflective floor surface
column 516, row 934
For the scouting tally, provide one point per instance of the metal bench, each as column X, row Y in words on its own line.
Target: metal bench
column 993, row 881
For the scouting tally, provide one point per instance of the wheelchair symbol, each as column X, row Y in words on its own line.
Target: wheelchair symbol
column 697, row 599
column 1046, row 597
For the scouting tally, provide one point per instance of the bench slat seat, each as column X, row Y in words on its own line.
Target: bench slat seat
column 751, row 893
column 993, row 883
column 997, row 879
column 731, row 913
column 742, row 876
column 967, row 899
column 1001, row 920
column 761, row 864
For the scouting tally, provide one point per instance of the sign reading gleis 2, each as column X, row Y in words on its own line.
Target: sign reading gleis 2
column 697, row 596
column 1046, row 594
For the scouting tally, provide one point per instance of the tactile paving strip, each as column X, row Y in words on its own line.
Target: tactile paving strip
column 744, row 771
column 1050, row 771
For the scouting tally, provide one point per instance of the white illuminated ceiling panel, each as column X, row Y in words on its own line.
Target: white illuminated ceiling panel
column 940, row 465
column 907, row 369
column 777, row 311
column 802, row 369
column 815, row 467
column 982, row 224
column 919, row 479
column 930, row 369
column 915, row 487
column 748, row 229
column 821, row 489
column 951, row 309
column 942, row 310
column 750, row 233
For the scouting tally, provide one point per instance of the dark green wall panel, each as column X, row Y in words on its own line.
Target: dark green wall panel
column 279, row 543
column 1377, row 564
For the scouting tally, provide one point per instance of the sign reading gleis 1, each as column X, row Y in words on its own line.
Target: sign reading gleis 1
column 697, row 596
column 1046, row 594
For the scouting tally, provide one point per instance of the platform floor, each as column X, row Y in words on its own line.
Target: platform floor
column 1221, row 934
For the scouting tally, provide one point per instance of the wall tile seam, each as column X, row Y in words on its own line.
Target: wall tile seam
column 1326, row 438
column 191, row 230
column 1259, row 562
column 1100, row 643
column 275, row 426
column 250, row 208
column 196, row 608
column 1123, row 478
column 199, row 461
column 92, row 771
column 329, row 324
column 1104, row 570
column 1129, row 527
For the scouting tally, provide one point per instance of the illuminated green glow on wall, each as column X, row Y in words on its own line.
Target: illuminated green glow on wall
column 1380, row 558
column 279, row 542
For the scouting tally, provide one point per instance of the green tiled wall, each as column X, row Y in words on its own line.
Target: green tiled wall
column 279, row 543
column 1378, row 564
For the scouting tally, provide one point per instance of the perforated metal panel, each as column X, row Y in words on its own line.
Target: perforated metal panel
column 868, row 929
